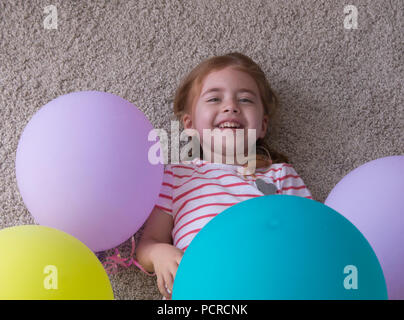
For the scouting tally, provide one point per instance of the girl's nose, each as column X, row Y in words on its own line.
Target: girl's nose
column 231, row 107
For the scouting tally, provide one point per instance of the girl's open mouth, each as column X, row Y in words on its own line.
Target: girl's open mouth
column 229, row 125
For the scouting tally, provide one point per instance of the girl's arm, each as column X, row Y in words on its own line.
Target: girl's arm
column 157, row 231
column 155, row 251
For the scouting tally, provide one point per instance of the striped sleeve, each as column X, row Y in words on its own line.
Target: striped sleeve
column 165, row 199
column 292, row 184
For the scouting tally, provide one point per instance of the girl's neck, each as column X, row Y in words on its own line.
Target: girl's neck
column 254, row 162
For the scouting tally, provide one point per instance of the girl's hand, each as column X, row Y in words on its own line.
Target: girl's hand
column 166, row 259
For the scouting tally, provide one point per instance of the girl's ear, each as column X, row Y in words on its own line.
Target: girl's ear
column 187, row 121
column 264, row 126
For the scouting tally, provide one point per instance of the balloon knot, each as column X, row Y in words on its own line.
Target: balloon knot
column 112, row 263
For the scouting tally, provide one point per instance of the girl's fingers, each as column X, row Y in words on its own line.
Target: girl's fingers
column 174, row 270
column 162, row 287
column 169, row 280
column 178, row 260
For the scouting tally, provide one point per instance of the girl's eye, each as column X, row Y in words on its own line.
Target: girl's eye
column 242, row 100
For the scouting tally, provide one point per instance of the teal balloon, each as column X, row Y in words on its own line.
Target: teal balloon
column 279, row 247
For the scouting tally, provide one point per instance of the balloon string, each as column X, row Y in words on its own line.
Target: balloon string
column 114, row 261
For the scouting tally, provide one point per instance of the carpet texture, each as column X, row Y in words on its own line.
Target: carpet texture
column 341, row 91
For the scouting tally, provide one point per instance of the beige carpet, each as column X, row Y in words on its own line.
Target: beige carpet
column 341, row 90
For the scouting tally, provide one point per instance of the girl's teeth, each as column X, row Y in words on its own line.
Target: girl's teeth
column 229, row 125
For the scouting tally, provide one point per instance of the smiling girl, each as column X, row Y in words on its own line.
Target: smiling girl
column 228, row 92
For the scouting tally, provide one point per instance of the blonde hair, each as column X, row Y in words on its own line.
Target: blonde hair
column 191, row 86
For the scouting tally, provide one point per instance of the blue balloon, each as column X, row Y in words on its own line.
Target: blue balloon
column 279, row 247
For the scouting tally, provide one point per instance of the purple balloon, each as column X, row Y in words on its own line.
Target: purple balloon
column 82, row 167
column 371, row 197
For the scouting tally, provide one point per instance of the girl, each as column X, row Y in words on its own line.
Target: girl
column 228, row 92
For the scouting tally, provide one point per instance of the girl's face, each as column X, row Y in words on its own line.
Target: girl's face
column 229, row 99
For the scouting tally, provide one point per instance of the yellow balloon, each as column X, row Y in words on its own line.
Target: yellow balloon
column 42, row 263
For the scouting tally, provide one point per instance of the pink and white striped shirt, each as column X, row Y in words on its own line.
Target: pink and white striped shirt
column 196, row 191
